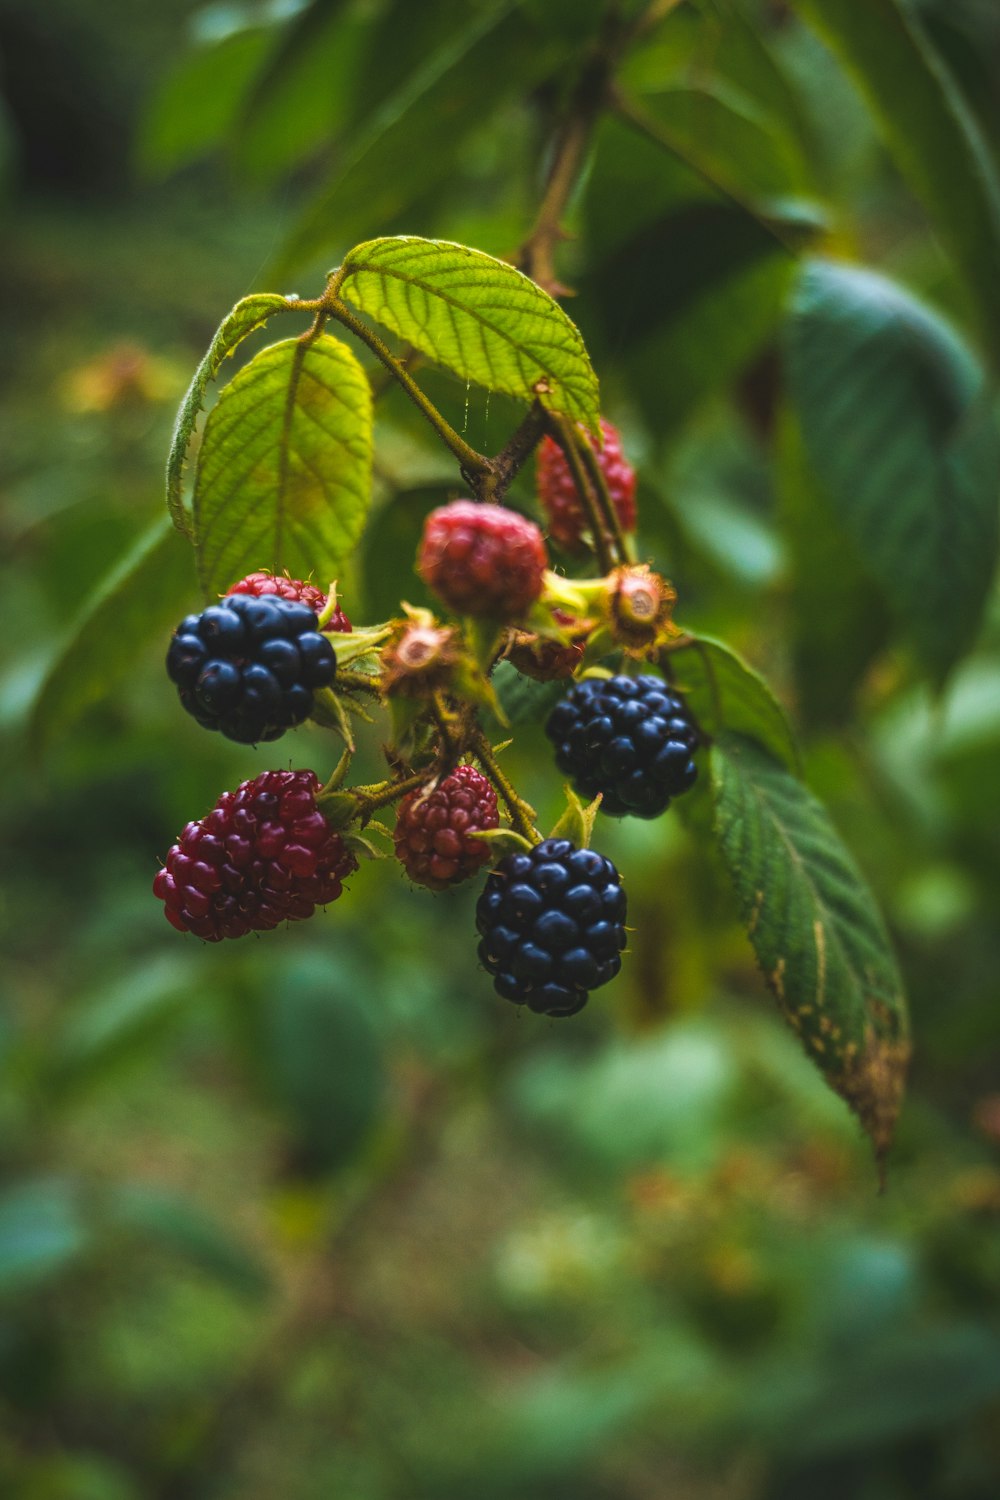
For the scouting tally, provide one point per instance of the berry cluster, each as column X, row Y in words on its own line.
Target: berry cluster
column 434, row 828
column 249, row 665
column 552, row 924
column 629, row 739
column 265, row 854
column 560, row 498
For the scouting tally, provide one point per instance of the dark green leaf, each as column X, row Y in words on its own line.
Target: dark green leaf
column 199, row 101
column 138, row 600
column 410, row 144
column 726, row 694
column 284, row 471
column 476, row 316
column 838, row 616
column 900, row 430
column 251, row 313
column 523, row 700
column 929, row 130
column 816, row 931
column 322, row 1060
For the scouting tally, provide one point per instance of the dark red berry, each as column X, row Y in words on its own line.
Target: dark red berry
column 560, row 499
column 482, row 559
column 265, row 854
column 434, row 828
column 264, row 583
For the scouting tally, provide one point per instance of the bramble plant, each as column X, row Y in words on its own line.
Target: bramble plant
column 281, row 487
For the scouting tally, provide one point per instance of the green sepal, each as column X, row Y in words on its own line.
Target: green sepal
column 577, row 822
column 483, row 638
column 338, row 808
column 359, row 845
column 360, row 642
column 469, row 682
column 403, row 716
column 503, row 841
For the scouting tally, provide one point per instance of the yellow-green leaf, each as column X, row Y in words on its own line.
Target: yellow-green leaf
column 476, row 316
column 284, row 471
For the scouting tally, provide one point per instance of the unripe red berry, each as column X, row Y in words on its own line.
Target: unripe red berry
column 482, row 559
column 560, row 499
column 264, row 582
column 265, row 854
column 434, row 828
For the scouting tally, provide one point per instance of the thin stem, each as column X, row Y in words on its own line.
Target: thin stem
column 475, row 468
column 521, row 815
column 360, row 682
column 382, row 793
column 563, row 432
column 604, row 500
column 513, row 456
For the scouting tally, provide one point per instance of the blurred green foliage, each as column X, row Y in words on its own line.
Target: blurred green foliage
column 316, row 1215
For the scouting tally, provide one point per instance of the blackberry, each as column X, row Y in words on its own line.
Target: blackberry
column 629, row 738
column 248, row 666
column 552, row 924
column 265, row 854
column 434, row 827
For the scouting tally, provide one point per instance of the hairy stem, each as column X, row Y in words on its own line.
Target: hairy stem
column 521, row 815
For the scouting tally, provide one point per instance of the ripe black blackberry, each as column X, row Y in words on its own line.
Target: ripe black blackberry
column 249, row 666
column 552, row 923
column 629, row 738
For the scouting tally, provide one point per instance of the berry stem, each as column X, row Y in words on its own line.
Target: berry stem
column 360, row 682
column 474, row 466
column 608, row 510
column 566, row 436
column 522, row 816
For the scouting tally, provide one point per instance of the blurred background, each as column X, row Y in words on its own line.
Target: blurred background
column 316, row 1215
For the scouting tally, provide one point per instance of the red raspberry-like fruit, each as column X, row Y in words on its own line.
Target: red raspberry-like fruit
column 264, row 582
column 482, row 559
column 433, row 829
column 560, row 499
column 265, row 854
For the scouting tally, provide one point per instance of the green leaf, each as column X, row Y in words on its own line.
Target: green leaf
column 929, row 130
column 41, row 1231
column 174, row 1223
column 284, row 471
column 900, row 430
column 251, row 313
column 839, row 618
column 816, row 931
column 323, row 1060
column 479, row 317
column 522, row 699
column 410, row 144
column 199, row 101
column 724, row 693
column 134, row 603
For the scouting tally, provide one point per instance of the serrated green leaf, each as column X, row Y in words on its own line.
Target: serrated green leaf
column 900, row 429
column 523, row 700
column 246, row 316
column 816, row 931
column 284, row 471
column 478, row 317
column 929, row 130
column 137, row 601
column 724, row 693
